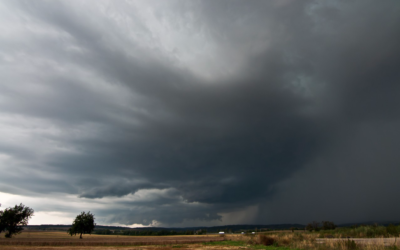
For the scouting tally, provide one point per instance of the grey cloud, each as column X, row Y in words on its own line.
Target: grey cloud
column 118, row 189
column 295, row 84
column 160, row 207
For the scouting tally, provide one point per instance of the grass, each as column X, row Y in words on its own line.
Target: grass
column 270, row 241
column 371, row 231
column 60, row 239
column 248, row 245
column 273, row 248
column 310, row 241
column 225, row 243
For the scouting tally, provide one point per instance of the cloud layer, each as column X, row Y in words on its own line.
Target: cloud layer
column 202, row 112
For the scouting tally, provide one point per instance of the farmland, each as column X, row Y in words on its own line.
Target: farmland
column 39, row 240
column 273, row 240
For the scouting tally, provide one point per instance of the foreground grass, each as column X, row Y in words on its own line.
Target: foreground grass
column 247, row 245
column 370, row 231
column 309, row 241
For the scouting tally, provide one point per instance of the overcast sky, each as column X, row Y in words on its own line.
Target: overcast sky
column 201, row 113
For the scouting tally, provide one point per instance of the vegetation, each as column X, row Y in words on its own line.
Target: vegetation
column 247, row 245
column 83, row 224
column 313, row 226
column 324, row 225
column 316, row 236
column 148, row 232
column 328, row 225
column 310, row 239
column 14, row 218
column 392, row 230
column 283, row 240
column 144, row 232
column 301, row 240
column 53, row 240
column 371, row 231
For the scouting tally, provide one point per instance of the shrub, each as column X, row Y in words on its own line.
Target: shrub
column 392, row 230
column 266, row 240
column 328, row 225
column 313, row 226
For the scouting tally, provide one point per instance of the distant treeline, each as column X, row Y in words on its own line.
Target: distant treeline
column 370, row 228
column 179, row 231
column 148, row 232
column 60, row 227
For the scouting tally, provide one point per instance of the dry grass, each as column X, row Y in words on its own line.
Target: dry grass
column 284, row 241
column 311, row 242
column 59, row 239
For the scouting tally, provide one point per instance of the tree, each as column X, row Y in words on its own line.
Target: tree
column 13, row 219
column 83, row 224
column 309, row 227
column 316, row 226
column 328, row 225
column 313, row 226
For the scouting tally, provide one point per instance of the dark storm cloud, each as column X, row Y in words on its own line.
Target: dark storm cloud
column 297, row 89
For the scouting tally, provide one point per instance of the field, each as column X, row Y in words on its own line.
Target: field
column 61, row 240
column 270, row 241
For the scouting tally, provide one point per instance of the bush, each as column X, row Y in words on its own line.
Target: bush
column 392, row 230
column 266, row 240
column 313, row 226
column 328, row 225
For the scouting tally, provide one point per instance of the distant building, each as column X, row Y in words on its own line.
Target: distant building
column 221, row 233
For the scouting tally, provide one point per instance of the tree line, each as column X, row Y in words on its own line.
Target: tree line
column 148, row 232
column 317, row 226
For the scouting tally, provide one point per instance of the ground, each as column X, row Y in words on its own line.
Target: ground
column 61, row 240
column 280, row 241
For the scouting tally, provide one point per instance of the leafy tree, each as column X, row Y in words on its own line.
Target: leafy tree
column 313, row 226
column 309, row 227
column 13, row 219
column 328, row 225
column 83, row 224
column 316, row 226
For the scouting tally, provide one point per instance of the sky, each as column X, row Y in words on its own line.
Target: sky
column 200, row 113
